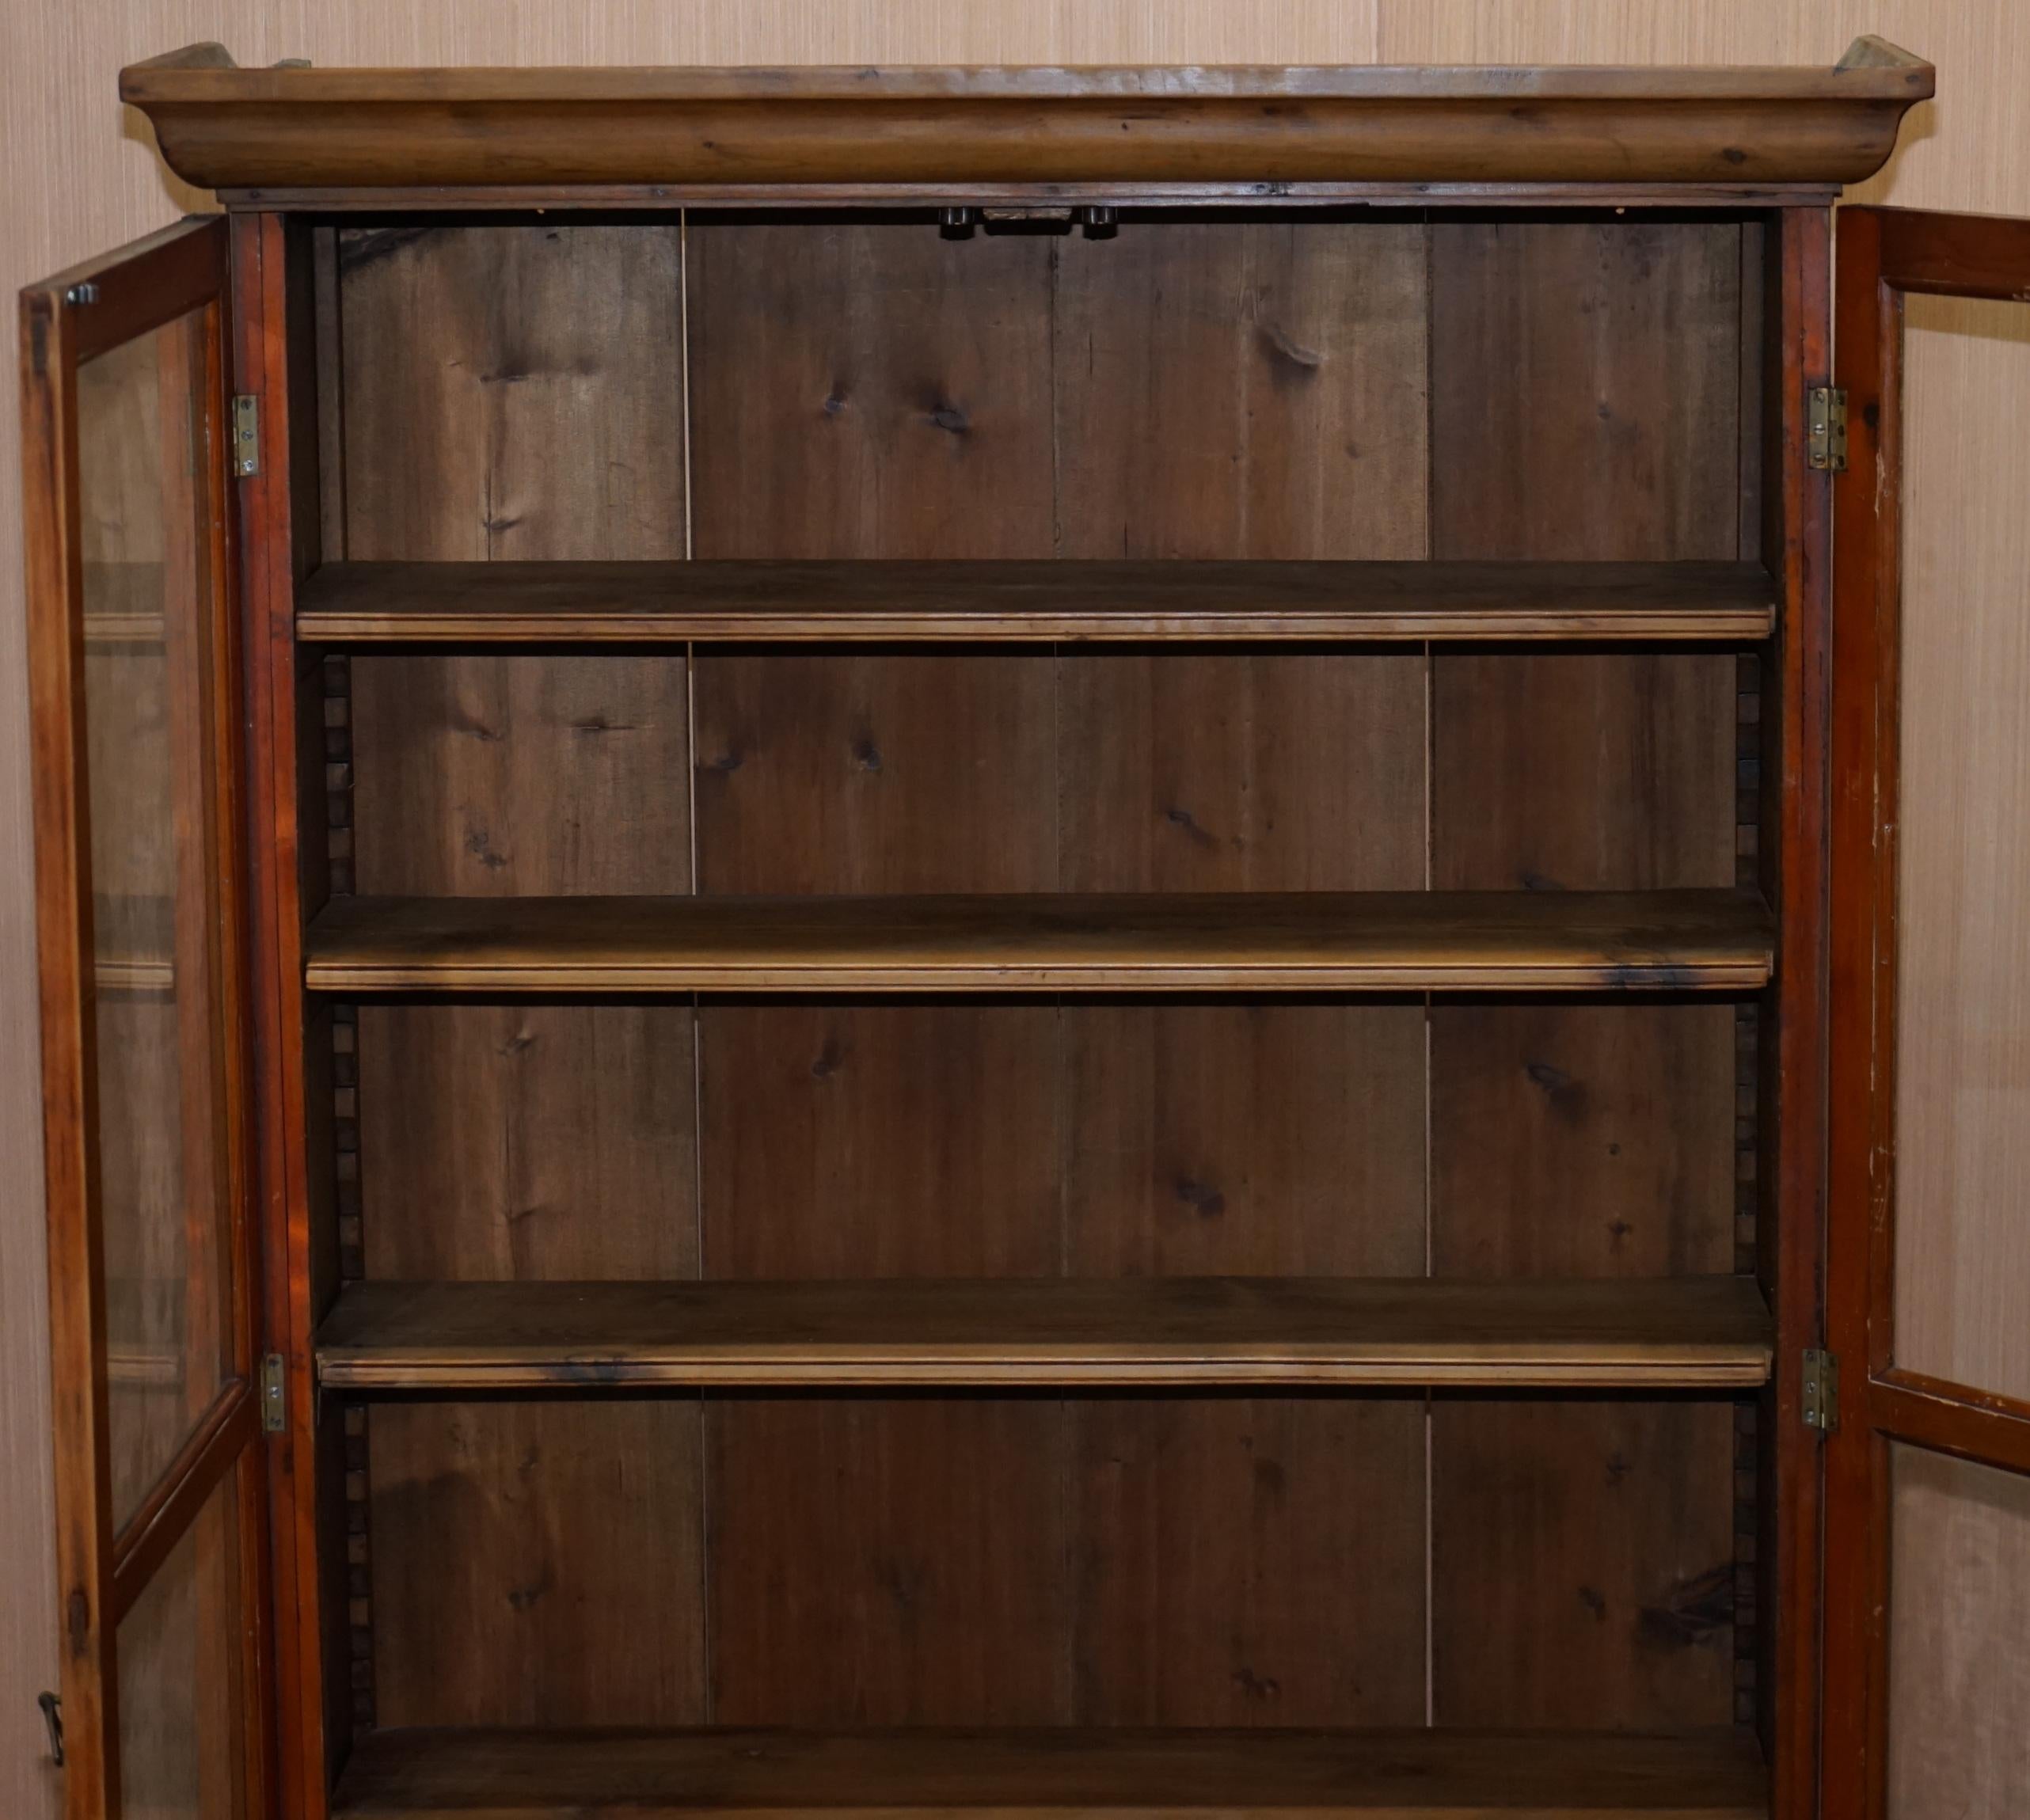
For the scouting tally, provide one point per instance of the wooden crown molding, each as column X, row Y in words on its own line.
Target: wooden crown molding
column 296, row 127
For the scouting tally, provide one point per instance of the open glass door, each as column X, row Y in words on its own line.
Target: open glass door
column 140, row 907
column 1927, row 1679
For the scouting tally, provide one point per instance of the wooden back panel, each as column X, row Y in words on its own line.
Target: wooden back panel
column 863, row 387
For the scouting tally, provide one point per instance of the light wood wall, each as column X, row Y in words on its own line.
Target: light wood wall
column 81, row 175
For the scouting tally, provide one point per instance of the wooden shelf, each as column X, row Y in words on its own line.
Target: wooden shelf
column 817, row 130
column 534, row 603
column 1672, row 1333
column 1013, row 1774
column 1700, row 940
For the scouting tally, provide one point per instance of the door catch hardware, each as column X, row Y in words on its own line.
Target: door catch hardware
column 274, row 1396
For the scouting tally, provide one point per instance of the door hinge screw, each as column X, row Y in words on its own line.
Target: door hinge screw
column 246, row 435
column 1822, row 1390
column 1825, row 429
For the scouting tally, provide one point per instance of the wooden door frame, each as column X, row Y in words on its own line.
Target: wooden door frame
column 1884, row 254
column 273, row 359
column 67, row 320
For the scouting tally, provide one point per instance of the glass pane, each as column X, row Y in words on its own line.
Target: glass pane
column 182, row 1751
column 1959, row 1639
column 147, row 631
column 1963, row 1030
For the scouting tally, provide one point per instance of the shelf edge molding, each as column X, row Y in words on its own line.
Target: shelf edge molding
column 1711, row 1333
column 1717, row 940
column 476, row 604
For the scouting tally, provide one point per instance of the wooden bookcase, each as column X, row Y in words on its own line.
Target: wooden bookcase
column 998, row 921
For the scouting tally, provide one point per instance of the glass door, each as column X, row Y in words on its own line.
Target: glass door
column 140, row 905
column 1927, row 1659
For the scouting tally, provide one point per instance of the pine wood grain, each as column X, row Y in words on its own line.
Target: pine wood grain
column 228, row 128
column 1595, row 1538
column 1383, row 1775
column 511, row 394
column 1672, row 1331
column 864, row 391
column 1251, row 389
column 889, row 1560
column 633, row 603
column 536, row 1563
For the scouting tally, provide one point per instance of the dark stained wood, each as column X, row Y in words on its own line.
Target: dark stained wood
column 304, row 1480
column 630, row 604
column 1610, row 352
column 868, row 390
column 512, row 393
column 1410, row 1774
column 537, row 1563
column 1613, row 352
column 1616, row 1157
column 1294, row 941
column 790, row 1095
column 890, row 747
column 486, row 775
column 1641, row 748
column 865, row 391
column 1792, row 1179
column 527, row 1142
column 879, row 1561
column 61, row 806
column 221, row 126
column 1582, row 1561
column 1954, row 1418
column 1251, row 389
column 1667, row 1332
column 1249, row 1561
column 1953, row 255
column 1245, row 389
column 1255, row 1139
column 1852, row 1709
column 521, row 1142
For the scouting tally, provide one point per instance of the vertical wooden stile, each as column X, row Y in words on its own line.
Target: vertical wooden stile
column 1790, row 1232
column 312, row 1730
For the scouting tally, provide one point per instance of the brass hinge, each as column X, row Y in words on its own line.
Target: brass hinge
column 1822, row 1390
column 274, row 1395
column 1825, row 428
column 246, row 435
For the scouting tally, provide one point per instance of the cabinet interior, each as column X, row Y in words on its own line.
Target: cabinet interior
column 1526, row 386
